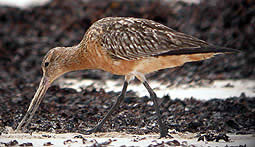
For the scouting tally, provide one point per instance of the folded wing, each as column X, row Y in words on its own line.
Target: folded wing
column 132, row 39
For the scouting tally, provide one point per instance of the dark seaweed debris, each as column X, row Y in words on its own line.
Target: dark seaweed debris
column 26, row 144
column 213, row 137
column 64, row 111
column 47, row 144
column 10, row 143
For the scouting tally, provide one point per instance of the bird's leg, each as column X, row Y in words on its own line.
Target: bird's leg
column 162, row 127
column 116, row 105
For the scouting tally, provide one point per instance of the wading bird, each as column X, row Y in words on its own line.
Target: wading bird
column 132, row 47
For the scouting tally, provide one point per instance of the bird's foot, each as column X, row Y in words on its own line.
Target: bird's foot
column 165, row 135
column 164, row 132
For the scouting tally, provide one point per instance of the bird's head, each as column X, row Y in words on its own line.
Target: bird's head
column 56, row 62
column 53, row 64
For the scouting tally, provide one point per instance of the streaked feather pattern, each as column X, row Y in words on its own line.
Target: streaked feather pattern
column 135, row 38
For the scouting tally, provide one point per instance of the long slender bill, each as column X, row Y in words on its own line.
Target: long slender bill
column 38, row 97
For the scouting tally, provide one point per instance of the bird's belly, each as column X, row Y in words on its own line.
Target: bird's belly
column 119, row 67
column 150, row 64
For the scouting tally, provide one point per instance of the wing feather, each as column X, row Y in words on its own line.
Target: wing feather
column 133, row 38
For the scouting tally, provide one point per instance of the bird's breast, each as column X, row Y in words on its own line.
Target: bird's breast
column 99, row 59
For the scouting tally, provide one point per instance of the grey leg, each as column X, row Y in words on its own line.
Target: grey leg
column 162, row 127
column 116, row 105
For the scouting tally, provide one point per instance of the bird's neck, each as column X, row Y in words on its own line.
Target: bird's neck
column 74, row 58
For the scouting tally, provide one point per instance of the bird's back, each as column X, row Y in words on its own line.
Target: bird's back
column 121, row 39
column 135, row 38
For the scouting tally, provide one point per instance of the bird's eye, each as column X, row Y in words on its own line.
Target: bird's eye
column 46, row 64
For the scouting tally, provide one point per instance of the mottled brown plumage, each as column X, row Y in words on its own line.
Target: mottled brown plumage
column 125, row 46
